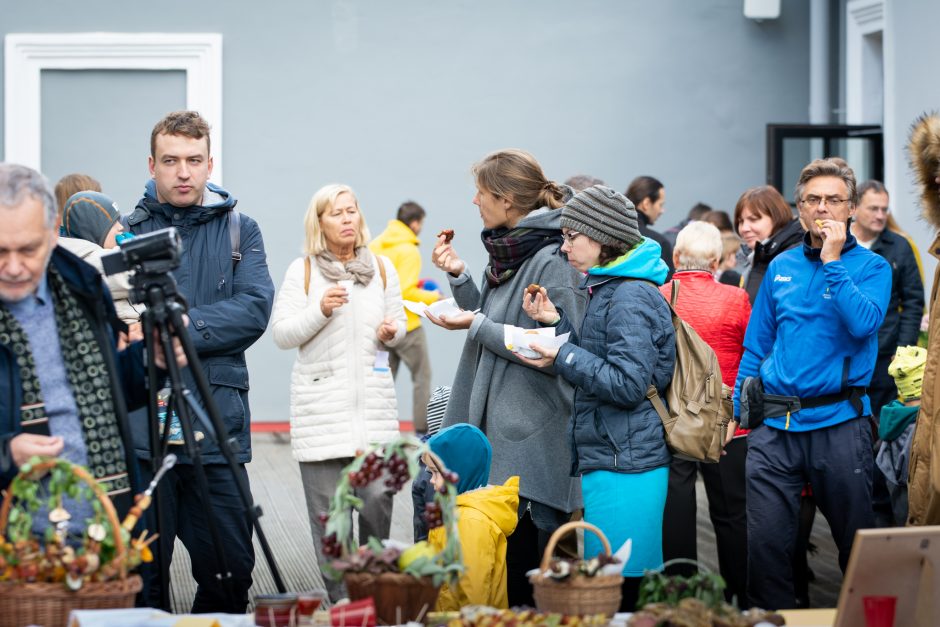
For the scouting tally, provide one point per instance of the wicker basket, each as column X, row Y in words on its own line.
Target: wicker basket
column 576, row 596
column 398, row 598
column 49, row 604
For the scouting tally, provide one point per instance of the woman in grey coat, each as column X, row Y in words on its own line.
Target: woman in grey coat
column 523, row 410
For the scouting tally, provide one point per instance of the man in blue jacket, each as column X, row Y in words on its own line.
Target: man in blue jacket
column 812, row 340
column 223, row 275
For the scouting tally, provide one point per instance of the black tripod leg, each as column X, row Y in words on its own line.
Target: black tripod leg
column 224, row 574
column 156, row 458
column 202, row 384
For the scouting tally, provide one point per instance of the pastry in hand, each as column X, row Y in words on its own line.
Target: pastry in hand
column 448, row 235
column 533, row 289
column 819, row 223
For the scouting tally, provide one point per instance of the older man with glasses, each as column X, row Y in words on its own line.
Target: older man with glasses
column 808, row 356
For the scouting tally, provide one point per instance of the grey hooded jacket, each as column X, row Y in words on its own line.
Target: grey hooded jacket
column 522, row 410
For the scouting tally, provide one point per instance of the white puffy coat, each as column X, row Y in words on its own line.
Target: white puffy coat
column 338, row 402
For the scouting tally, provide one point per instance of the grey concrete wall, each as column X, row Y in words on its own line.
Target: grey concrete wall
column 398, row 99
column 912, row 49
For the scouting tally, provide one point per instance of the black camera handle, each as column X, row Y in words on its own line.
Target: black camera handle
column 164, row 314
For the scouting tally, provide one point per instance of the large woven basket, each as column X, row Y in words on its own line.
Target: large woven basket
column 49, row 604
column 576, row 596
column 398, row 598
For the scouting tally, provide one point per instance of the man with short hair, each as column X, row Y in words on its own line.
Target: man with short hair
column 902, row 322
column 812, row 341
column 399, row 242
column 63, row 385
column 223, row 275
column 648, row 195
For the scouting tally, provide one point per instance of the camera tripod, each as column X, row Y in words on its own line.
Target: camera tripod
column 155, row 287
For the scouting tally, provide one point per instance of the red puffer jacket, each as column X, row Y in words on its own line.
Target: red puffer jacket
column 718, row 313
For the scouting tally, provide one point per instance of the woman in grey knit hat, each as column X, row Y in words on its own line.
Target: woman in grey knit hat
column 625, row 343
column 522, row 410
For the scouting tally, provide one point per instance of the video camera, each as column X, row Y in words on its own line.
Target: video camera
column 154, row 252
column 151, row 258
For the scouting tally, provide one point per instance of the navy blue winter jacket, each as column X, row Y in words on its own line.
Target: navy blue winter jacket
column 229, row 304
column 626, row 343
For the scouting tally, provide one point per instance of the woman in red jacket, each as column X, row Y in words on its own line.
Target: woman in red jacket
column 719, row 314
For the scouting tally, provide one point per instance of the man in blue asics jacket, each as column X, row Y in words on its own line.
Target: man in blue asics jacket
column 812, row 341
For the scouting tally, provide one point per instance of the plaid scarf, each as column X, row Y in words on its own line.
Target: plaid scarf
column 89, row 378
column 510, row 248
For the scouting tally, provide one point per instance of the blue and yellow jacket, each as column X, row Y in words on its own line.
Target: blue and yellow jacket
column 814, row 328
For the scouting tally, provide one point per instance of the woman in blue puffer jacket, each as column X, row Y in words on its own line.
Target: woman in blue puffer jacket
column 625, row 344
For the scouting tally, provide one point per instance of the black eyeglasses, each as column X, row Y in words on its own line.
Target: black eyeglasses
column 831, row 201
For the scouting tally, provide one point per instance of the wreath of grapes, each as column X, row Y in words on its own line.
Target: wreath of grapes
column 397, row 461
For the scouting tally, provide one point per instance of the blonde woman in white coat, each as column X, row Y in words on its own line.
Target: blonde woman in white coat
column 342, row 394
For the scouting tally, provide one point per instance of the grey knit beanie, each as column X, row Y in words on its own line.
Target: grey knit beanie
column 603, row 215
column 89, row 216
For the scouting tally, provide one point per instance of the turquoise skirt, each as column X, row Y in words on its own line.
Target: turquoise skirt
column 627, row 506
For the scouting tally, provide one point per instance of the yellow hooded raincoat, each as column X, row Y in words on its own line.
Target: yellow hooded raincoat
column 485, row 517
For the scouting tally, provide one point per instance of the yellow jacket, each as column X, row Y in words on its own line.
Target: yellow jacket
column 485, row 517
column 400, row 244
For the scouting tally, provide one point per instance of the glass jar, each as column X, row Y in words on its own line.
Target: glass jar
column 276, row 610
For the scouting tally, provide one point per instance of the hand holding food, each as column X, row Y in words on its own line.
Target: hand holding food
column 537, row 305
column 545, row 359
column 833, row 234
column 444, row 256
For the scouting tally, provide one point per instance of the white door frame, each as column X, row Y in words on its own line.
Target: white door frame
column 199, row 55
column 863, row 18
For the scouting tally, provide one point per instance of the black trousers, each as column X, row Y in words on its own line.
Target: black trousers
column 184, row 515
column 725, row 487
column 837, row 461
column 524, row 548
column 882, row 389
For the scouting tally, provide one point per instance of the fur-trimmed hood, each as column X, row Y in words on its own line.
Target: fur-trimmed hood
column 924, row 155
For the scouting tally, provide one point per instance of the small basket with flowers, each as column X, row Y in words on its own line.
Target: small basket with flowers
column 43, row 579
column 404, row 583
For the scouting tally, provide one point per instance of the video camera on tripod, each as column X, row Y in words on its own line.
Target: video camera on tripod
column 150, row 259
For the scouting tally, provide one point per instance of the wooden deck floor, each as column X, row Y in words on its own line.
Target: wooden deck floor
column 275, row 483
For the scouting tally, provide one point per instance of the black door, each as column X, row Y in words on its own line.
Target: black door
column 792, row 146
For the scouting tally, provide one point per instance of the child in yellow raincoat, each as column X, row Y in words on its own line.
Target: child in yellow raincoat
column 486, row 515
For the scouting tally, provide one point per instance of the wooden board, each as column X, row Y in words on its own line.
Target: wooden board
column 898, row 562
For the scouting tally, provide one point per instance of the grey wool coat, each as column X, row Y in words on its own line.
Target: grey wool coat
column 523, row 411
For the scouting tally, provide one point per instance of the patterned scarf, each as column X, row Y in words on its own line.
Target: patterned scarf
column 510, row 248
column 359, row 269
column 88, row 376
